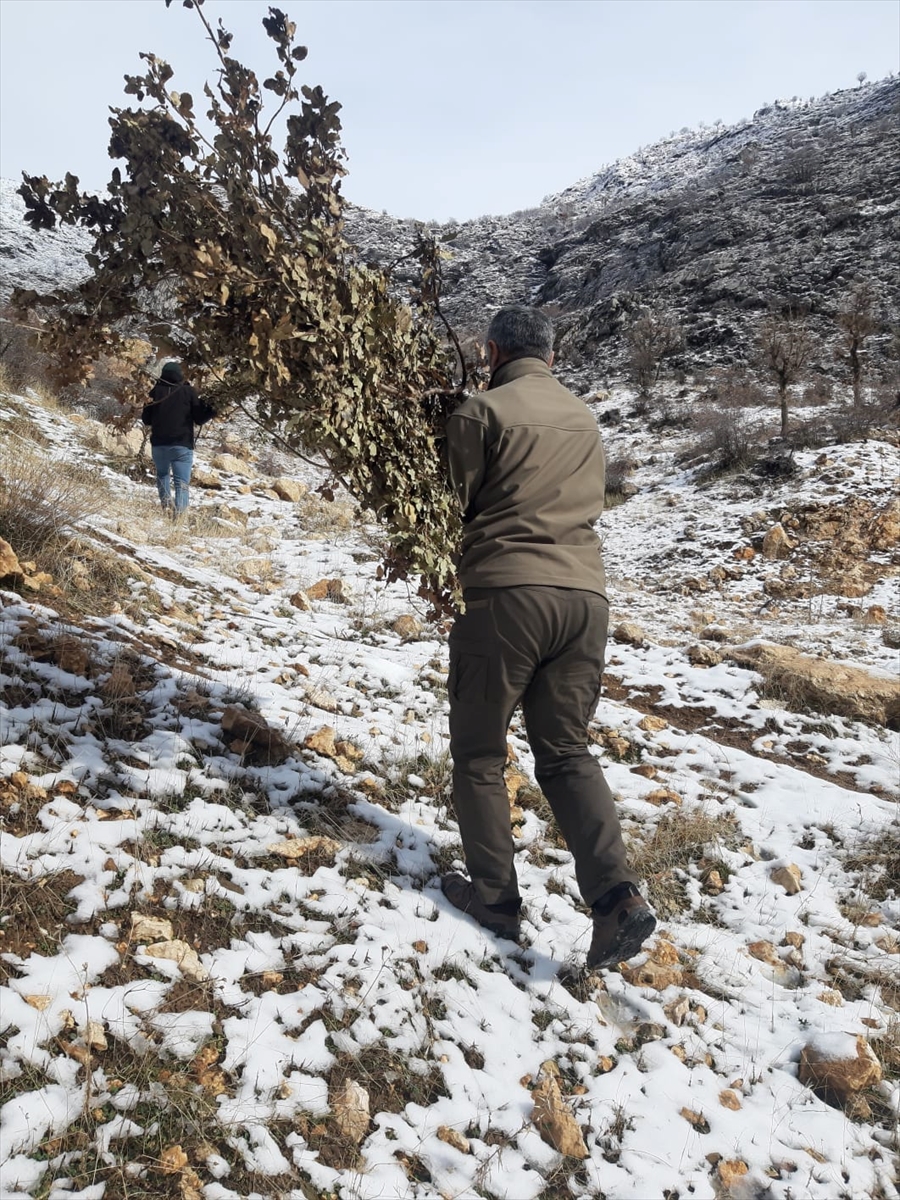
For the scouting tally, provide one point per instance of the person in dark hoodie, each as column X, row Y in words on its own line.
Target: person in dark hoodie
column 173, row 411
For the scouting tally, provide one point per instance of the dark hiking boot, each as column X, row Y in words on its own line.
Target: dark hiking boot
column 620, row 931
column 462, row 895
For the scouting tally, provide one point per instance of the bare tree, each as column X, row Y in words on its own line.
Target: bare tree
column 653, row 337
column 858, row 321
column 785, row 345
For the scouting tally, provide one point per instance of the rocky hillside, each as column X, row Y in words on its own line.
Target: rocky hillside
column 226, row 965
column 715, row 224
column 791, row 205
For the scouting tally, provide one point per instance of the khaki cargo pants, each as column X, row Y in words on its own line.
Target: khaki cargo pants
column 542, row 647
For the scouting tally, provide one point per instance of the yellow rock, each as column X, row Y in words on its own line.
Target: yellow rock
column 553, row 1120
column 453, row 1138
column 839, row 1065
column 184, row 956
column 173, row 1160
column 150, row 929
column 662, row 796
column 351, row 1111
column 696, row 1119
column 832, row 997
column 731, row 1170
column 651, row 724
column 653, row 975
column 730, row 1099
column 664, row 953
column 788, row 877
column 294, row 848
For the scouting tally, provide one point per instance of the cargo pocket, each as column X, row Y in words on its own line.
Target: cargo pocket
column 470, row 672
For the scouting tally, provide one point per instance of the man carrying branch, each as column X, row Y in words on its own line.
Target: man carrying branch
column 527, row 464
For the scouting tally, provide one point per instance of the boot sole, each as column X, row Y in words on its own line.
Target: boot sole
column 630, row 937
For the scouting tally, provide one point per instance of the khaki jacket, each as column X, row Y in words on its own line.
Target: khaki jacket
column 527, row 464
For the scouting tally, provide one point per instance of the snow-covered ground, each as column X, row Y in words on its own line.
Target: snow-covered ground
column 216, row 1068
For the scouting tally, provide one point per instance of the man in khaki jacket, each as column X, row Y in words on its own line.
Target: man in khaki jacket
column 527, row 464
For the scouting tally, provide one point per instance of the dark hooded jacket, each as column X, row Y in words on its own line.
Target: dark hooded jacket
column 174, row 410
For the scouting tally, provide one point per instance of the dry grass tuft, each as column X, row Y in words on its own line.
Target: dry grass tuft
column 876, row 860
column 45, row 501
column 677, row 841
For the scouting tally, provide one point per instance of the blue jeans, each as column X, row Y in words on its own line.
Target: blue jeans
column 177, row 461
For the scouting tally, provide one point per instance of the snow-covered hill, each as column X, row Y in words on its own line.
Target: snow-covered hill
column 226, row 967
column 791, row 206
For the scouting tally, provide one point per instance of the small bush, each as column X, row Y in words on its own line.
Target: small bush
column 618, row 470
column 678, row 840
column 725, row 432
column 43, row 501
column 731, row 388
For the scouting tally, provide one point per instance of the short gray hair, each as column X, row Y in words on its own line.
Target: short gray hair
column 521, row 332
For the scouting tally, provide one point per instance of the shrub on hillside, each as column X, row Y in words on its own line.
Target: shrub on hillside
column 236, row 256
column 45, row 501
column 725, row 432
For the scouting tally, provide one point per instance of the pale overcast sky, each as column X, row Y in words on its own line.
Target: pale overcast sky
column 452, row 108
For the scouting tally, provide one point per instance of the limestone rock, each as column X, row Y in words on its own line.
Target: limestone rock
column 231, row 465
column 658, row 976
column 838, row 1065
column 649, row 1031
column 629, row 633
column 788, row 877
column 330, row 589
column 662, row 796
column 322, row 742
column 765, row 952
column 407, row 626
column 289, row 489
column 9, row 562
column 150, row 929
column 515, row 781
column 253, row 736
column 173, row 1160
column 732, row 1170
column 295, row 848
column 831, row 997
column 714, row 633
column 454, row 1138
column 34, row 583
column 696, row 1119
column 885, row 529
column 652, row 724
column 95, row 1036
column 822, row 685
column 205, row 478
column 678, row 1010
column 776, row 543
column 553, row 1120
column 703, row 656
column 351, row 1111
column 184, row 956
column 320, row 698
column 664, row 953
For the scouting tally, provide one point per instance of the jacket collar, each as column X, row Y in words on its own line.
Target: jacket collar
column 509, row 371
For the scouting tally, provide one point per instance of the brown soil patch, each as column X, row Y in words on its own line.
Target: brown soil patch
column 703, row 720
column 34, row 915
